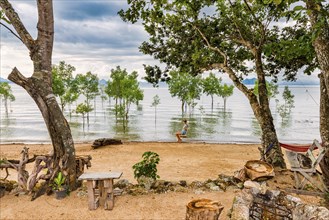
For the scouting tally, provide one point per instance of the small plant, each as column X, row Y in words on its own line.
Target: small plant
column 58, row 182
column 148, row 166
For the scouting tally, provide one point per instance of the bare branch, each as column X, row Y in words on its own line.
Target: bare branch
column 17, row 24
column 11, row 31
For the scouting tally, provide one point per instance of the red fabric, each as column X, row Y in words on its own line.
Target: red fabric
column 296, row 148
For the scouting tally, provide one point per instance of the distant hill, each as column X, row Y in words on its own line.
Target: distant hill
column 251, row 81
column 102, row 82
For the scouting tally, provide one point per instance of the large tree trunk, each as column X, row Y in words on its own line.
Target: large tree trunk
column 263, row 115
column 321, row 46
column 324, row 128
column 39, row 86
column 270, row 141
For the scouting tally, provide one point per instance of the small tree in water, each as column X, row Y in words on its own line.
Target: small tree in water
column 155, row 103
column 83, row 109
column 226, row 91
column 284, row 109
column 63, row 84
column 211, row 86
column 185, row 87
column 6, row 94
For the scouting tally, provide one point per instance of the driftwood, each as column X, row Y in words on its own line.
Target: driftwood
column 43, row 169
column 19, row 166
column 203, row 209
column 105, row 141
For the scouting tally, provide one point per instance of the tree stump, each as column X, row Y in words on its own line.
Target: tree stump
column 203, row 209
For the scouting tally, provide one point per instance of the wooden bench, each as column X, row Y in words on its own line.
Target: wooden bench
column 306, row 165
column 103, row 181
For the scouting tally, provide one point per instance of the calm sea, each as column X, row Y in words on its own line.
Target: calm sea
column 236, row 124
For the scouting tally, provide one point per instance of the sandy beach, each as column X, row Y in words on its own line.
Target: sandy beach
column 178, row 161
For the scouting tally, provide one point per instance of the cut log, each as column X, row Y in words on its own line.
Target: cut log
column 203, row 209
column 105, row 141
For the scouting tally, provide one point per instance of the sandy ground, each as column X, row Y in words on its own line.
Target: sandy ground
column 178, row 161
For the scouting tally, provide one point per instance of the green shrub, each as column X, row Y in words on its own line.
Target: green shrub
column 148, row 166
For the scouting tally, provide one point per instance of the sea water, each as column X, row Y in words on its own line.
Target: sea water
column 236, row 124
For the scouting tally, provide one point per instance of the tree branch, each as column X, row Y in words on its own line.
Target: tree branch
column 17, row 24
column 16, row 77
column 263, row 28
column 11, row 31
column 211, row 47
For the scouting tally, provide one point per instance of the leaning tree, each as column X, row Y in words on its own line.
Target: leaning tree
column 203, row 35
column 319, row 18
column 39, row 84
column 312, row 50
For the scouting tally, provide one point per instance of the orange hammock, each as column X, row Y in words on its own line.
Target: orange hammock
column 296, row 148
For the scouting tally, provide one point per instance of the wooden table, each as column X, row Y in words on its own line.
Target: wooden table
column 104, row 182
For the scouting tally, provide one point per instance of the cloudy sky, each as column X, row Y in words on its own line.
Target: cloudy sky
column 88, row 35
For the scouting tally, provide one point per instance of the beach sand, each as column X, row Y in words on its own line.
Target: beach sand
column 178, row 161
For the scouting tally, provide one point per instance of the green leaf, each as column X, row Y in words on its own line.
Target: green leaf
column 298, row 8
column 277, row 2
column 267, row 1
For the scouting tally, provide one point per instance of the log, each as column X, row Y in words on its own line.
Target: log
column 105, row 141
column 203, row 209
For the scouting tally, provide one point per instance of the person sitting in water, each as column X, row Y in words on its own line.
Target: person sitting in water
column 182, row 132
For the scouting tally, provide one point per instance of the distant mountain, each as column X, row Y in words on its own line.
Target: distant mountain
column 102, row 82
column 250, row 81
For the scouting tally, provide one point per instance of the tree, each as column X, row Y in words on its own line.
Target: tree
column 285, row 109
column 185, row 87
column 102, row 93
column 6, row 94
column 83, row 109
column 225, row 92
column 272, row 89
column 187, row 35
column 39, row 85
column 211, row 86
column 155, row 103
column 314, row 17
column 124, row 88
column 87, row 86
column 131, row 92
column 114, row 86
column 64, row 85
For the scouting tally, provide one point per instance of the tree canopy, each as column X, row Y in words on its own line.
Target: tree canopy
column 231, row 37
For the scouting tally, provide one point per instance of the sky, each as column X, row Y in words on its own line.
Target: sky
column 88, row 35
